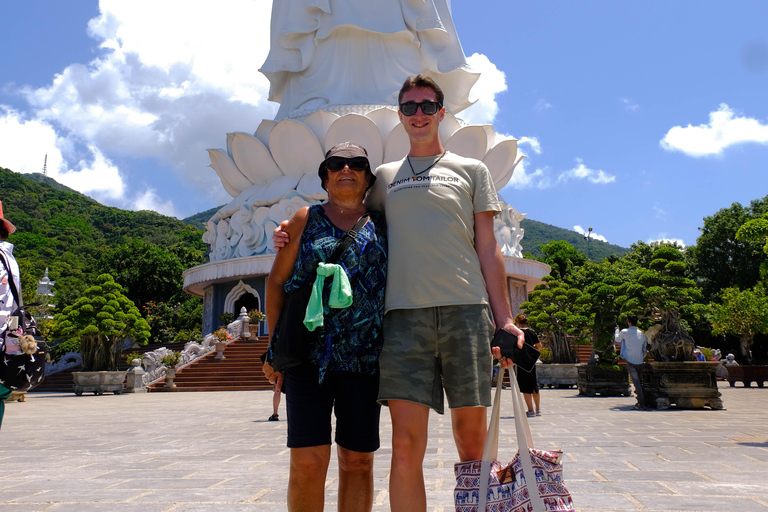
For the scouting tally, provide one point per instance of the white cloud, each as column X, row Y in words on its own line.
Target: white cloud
column 171, row 79
column 99, row 178
column 725, row 129
column 659, row 211
column 629, row 105
column 581, row 172
column 592, row 235
column 541, row 105
column 533, row 142
column 523, row 178
column 664, row 238
column 492, row 81
column 149, row 200
column 25, row 142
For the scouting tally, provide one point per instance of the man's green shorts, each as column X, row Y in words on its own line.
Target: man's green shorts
column 430, row 349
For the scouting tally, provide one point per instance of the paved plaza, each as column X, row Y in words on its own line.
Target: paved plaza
column 196, row 452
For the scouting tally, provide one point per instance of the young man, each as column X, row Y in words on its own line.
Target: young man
column 444, row 271
column 633, row 349
column 445, row 268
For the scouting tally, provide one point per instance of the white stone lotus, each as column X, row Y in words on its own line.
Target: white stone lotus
column 273, row 173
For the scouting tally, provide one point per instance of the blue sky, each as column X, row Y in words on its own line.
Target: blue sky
column 638, row 118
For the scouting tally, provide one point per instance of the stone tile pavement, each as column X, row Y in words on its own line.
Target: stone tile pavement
column 200, row 452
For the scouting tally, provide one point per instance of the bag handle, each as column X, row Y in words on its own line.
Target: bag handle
column 349, row 238
column 524, row 444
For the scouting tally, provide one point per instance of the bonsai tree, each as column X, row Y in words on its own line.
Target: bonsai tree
column 663, row 294
column 102, row 318
column 743, row 313
column 553, row 311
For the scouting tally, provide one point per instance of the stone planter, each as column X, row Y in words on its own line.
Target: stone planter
column 557, row 375
column 220, row 346
column 98, row 382
column 170, row 374
column 687, row 385
column 594, row 380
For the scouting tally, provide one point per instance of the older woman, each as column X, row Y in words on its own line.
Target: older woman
column 342, row 373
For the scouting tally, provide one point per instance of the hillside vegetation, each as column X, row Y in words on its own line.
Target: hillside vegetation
column 77, row 239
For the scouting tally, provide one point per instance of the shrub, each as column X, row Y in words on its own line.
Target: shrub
column 171, row 360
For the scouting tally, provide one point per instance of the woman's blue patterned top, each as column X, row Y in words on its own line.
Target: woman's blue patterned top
column 351, row 338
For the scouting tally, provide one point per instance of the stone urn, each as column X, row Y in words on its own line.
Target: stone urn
column 594, row 380
column 557, row 375
column 98, row 382
column 220, row 346
column 170, row 374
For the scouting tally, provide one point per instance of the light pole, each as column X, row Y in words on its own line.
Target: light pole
column 588, row 237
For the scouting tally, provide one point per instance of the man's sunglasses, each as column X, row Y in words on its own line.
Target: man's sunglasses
column 428, row 108
column 337, row 163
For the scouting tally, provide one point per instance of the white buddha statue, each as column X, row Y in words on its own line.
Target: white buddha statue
column 358, row 52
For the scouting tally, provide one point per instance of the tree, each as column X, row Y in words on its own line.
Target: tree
column 553, row 311
column 147, row 271
column 756, row 230
column 102, row 318
column 719, row 260
column 563, row 258
column 743, row 313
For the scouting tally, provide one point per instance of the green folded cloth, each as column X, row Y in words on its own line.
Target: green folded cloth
column 341, row 294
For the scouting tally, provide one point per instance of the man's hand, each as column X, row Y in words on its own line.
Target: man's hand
column 496, row 351
column 280, row 237
column 270, row 372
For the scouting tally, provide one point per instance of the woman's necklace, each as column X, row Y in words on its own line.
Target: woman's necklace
column 346, row 210
column 428, row 168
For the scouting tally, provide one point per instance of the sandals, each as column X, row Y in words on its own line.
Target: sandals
column 530, row 414
column 273, row 418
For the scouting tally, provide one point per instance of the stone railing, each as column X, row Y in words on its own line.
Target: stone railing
column 67, row 361
column 154, row 370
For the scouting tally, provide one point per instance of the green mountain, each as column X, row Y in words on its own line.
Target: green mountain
column 199, row 219
column 78, row 238
column 539, row 233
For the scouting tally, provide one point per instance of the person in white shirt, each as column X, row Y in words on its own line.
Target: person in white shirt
column 634, row 345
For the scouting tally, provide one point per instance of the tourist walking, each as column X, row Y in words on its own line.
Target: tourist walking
column 528, row 381
column 342, row 375
column 633, row 349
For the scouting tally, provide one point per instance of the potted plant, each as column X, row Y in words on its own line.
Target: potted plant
column 221, row 337
column 170, row 360
column 102, row 318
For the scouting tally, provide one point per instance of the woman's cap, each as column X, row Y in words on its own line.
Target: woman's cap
column 345, row 150
column 8, row 225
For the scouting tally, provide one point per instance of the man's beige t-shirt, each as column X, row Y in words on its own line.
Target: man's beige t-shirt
column 431, row 229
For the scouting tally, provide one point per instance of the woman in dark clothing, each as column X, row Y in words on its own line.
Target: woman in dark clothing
column 529, row 385
column 342, row 374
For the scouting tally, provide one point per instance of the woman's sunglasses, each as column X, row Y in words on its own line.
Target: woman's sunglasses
column 428, row 108
column 337, row 163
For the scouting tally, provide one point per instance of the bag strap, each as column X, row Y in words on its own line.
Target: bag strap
column 349, row 238
column 524, row 444
column 11, row 282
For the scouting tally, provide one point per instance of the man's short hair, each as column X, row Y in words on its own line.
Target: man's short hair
column 632, row 319
column 421, row 82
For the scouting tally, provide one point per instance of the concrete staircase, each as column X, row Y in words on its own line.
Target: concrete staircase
column 239, row 371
